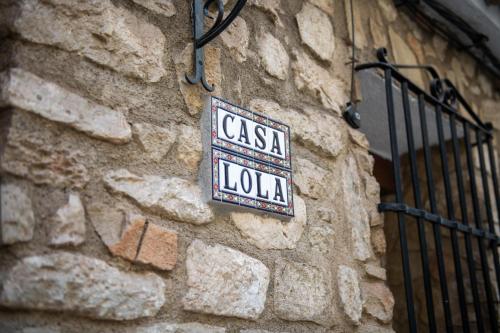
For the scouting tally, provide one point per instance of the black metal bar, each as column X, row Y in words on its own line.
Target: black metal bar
column 478, row 222
column 399, row 197
column 433, row 204
column 494, row 176
column 449, row 198
column 418, row 204
column 487, row 201
column 465, row 218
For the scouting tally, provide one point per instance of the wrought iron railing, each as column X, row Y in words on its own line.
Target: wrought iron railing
column 466, row 145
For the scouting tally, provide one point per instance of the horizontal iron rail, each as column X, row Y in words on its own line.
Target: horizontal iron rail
column 434, row 218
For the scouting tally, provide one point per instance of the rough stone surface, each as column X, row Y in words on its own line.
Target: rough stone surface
column 44, row 164
column 377, row 29
column 355, row 212
column 378, row 241
column 162, row 7
column 223, row 281
column 440, row 46
column 403, row 54
column 173, row 197
column 18, row 219
column 314, row 129
column 316, row 31
column 309, row 178
column 177, row 328
column 236, row 38
column 388, row 9
column 273, row 55
column 359, row 30
column 155, row 141
column 272, row 7
column 128, row 244
column 350, row 293
column 194, row 94
column 321, row 238
column 99, row 31
column 324, row 5
column 189, row 149
column 109, row 221
column 267, row 232
column 67, row 227
column 158, row 247
column 302, row 292
column 376, row 271
column 31, row 93
column 317, row 81
column 373, row 328
column 378, row 301
column 81, row 285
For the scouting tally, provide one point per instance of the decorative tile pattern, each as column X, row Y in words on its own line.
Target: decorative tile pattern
column 244, row 182
column 247, row 139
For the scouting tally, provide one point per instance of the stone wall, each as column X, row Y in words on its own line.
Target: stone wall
column 103, row 225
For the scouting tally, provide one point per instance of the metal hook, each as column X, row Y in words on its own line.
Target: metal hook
column 198, row 12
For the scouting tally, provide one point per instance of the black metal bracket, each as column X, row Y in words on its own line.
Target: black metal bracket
column 200, row 10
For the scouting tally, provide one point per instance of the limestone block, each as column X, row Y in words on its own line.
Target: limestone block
column 267, row 232
column 18, row 219
column 324, row 5
column 81, row 285
column 223, row 281
column 359, row 29
column 376, row 271
column 156, row 141
column 43, row 164
column 236, row 38
column 403, row 54
column 189, row 148
column 97, row 30
column 302, row 292
column 173, row 197
column 378, row 301
column 378, row 30
column 440, row 45
column 273, row 55
column 309, row 178
column 321, row 238
column 355, row 211
column 350, row 293
column 378, row 241
column 67, row 227
column 34, row 94
column 316, row 31
column 177, row 328
column 194, row 94
column 161, row 7
column 388, row 9
column 314, row 129
column 272, row 7
column 317, row 82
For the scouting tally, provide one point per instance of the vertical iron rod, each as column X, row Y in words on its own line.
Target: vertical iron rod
column 399, row 197
column 418, row 204
column 487, row 199
column 465, row 220
column 432, row 193
column 449, row 200
column 478, row 222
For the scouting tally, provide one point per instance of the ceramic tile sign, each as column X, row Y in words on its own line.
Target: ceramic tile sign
column 250, row 159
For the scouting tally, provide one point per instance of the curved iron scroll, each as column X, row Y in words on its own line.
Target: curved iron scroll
column 199, row 10
column 442, row 89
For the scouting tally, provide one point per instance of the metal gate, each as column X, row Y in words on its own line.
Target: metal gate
column 471, row 194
